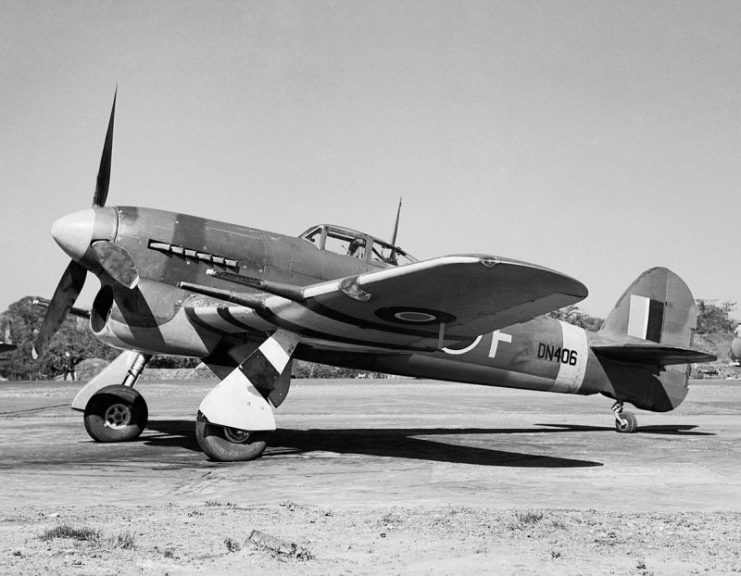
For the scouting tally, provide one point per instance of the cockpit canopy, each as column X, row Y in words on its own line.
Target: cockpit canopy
column 365, row 247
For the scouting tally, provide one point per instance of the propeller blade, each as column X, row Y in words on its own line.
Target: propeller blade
column 104, row 172
column 117, row 262
column 68, row 289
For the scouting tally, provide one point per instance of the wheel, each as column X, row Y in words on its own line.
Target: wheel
column 229, row 444
column 116, row 414
column 629, row 423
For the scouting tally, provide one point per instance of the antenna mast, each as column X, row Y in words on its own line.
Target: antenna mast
column 396, row 231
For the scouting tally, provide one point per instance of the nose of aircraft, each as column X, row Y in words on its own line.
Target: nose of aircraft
column 75, row 232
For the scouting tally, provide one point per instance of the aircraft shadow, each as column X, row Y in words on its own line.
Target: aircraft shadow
column 667, row 429
column 388, row 442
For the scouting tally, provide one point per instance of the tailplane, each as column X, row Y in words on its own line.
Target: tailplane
column 653, row 354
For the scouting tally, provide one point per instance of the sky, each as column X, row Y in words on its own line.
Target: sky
column 599, row 139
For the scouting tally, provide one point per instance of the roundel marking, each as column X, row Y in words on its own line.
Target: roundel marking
column 468, row 348
column 418, row 316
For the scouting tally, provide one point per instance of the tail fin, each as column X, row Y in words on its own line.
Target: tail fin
column 658, row 307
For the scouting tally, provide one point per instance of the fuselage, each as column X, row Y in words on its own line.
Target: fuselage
column 161, row 318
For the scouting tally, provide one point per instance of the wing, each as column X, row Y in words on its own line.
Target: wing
column 421, row 306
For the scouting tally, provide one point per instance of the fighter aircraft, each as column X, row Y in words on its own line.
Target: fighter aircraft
column 6, row 344
column 735, row 352
column 247, row 302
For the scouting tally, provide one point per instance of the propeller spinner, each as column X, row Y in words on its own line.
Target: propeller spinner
column 86, row 236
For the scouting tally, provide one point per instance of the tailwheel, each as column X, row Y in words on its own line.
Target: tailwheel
column 116, row 414
column 625, row 422
column 229, row 444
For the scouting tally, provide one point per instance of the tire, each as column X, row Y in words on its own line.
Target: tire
column 116, row 414
column 229, row 444
column 629, row 423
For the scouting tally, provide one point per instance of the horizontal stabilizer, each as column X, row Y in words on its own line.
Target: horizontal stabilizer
column 663, row 355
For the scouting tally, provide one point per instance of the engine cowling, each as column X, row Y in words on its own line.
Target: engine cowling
column 149, row 319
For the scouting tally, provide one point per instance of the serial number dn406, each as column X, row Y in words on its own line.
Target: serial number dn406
column 557, row 354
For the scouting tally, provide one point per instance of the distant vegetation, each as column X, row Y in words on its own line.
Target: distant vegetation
column 74, row 336
column 573, row 315
column 23, row 319
column 715, row 318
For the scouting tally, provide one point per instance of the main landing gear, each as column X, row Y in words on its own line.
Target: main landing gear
column 625, row 422
column 226, row 444
column 114, row 411
column 236, row 418
column 116, row 414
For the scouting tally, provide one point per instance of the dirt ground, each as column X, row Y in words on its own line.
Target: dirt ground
column 377, row 477
column 213, row 538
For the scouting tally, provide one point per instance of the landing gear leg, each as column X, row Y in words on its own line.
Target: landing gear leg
column 133, row 373
column 235, row 419
column 625, row 422
column 114, row 411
